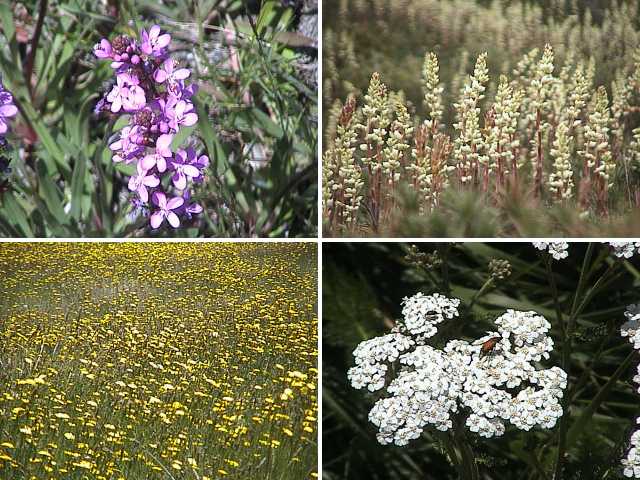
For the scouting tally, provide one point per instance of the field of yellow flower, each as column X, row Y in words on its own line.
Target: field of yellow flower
column 158, row 361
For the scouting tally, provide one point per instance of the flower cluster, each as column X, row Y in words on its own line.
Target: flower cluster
column 469, row 141
column 484, row 388
column 557, row 250
column 151, row 89
column 7, row 110
column 625, row 249
column 631, row 329
column 432, row 88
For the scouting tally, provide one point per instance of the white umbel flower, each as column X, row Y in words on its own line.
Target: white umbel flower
column 631, row 329
column 421, row 313
column 558, row 250
column 432, row 385
column 625, row 249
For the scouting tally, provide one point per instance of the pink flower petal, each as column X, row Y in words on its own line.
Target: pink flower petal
column 8, row 110
column 160, row 76
column 163, row 143
column 151, row 181
column 174, row 203
column 116, row 105
column 160, row 200
column 148, row 162
column 190, row 171
column 173, row 219
column 181, row 74
column 156, row 219
column 143, row 194
column 190, row 119
column 161, row 164
column 163, row 40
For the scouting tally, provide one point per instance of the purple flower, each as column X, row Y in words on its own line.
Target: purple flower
column 139, row 183
column 137, row 208
column 134, row 99
column 166, row 73
column 103, row 49
column 158, row 159
column 7, row 109
column 153, row 43
column 190, row 209
column 165, row 210
column 184, row 167
column 128, row 93
column 151, row 90
column 181, row 113
column 128, row 145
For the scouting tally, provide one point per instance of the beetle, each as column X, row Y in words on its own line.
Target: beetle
column 488, row 346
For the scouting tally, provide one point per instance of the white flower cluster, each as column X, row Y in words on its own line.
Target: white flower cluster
column 421, row 313
column 631, row 329
column 427, row 385
column 557, row 250
column 625, row 249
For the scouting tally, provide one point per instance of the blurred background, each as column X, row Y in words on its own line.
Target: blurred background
column 256, row 65
column 363, row 286
column 391, row 37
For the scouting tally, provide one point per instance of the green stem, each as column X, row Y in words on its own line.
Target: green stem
column 468, row 460
column 573, row 433
column 579, row 303
column 480, row 292
column 554, row 292
column 445, row 269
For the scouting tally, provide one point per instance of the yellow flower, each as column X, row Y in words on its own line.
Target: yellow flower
column 83, row 464
column 69, row 436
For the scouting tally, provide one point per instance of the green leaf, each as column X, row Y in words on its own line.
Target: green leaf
column 49, row 192
column 77, row 186
column 266, row 16
column 217, row 156
column 269, row 126
column 15, row 214
column 48, row 142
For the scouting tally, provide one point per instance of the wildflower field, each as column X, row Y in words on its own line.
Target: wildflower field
column 158, row 118
column 158, row 361
column 473, row 118
column 478, row 361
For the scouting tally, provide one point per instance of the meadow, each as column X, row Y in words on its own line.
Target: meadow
column 480, row 118
column 158, row 361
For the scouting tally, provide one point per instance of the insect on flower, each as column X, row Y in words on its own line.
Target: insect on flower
column 488, row 346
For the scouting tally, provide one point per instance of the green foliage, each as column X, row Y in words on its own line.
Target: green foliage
column 257, row 118
column 363, row 285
